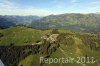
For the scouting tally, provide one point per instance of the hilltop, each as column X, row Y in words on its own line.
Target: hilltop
column 66, row 44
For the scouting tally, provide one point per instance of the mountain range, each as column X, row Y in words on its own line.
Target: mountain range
column 77, row 22
column 8, row 21
column 73, row 21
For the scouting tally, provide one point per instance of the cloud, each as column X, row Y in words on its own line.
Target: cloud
column 59, row 4
column 7, row 4
column 10, row 8
column 24, row 12
column 92, row 9
column 95, row 2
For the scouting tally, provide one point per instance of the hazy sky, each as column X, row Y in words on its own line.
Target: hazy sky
column 47, row 7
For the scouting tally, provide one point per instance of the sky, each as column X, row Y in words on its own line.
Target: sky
column 48, row 7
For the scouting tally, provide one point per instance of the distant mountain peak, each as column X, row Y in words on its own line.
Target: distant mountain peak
column 97, row 12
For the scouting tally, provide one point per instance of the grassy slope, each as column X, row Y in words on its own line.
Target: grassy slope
column 32, row 60
column 23, row 36
column 75, row 50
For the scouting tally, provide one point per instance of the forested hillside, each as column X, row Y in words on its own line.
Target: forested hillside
column 8, row 21
column 77, row 22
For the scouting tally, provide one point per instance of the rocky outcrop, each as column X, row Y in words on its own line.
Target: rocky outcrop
column 12, row 55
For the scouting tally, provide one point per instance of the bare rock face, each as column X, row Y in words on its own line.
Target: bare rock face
column 51, row 38
column 12, row 55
